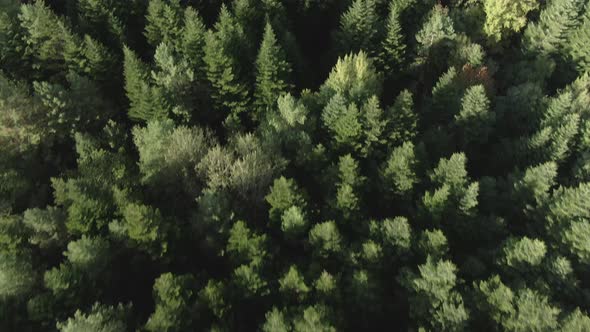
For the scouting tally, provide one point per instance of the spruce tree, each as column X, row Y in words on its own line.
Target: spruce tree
column 359, row 28
column 556, row 21
column 163, row 22
column 475, row 118
column 578, row 44
column 222, row 53
column 393, row 47
column 272, row 73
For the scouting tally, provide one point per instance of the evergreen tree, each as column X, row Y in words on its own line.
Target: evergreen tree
column 163, row 22
column 402, row 120
column 193, row 41
column 437, row 29
column 399, row 171
column 145, row 103
column 173, row 296
column 578, row 47
column 555, row 22
column 222, row 51
column 272, row 73
column 359, row 27
column 393, row 47
column 475, row 118
column 100, row 318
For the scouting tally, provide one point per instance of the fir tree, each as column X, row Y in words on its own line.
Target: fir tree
column 556, row 21
column 163, row 22
column 475, row 118
column 222, row 51
column 393, row 47
column 272, row 73
column 359, row 27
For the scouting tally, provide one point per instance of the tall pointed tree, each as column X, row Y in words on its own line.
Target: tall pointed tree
column 359, row 27
column 393, row 48
column 222, row 53
column 272, row 73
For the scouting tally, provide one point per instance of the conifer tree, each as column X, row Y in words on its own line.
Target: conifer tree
column 222, row 52
column 555, row 22
column 163, row 22
column 272, row 73
column 347, row 195
column 100, row 318
column 438, row 28
column 393, row 47
column 475, row 118
column 402, row 120
column 173, row 296
column 578, row 44
column 359, row 27
column 145, row 102
column 193, row 41
column 399, row 171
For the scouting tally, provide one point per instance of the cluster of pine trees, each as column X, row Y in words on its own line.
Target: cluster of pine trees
column 303, row 165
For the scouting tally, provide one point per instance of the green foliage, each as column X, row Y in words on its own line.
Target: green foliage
column 402, row 121
column 17, row 277
column 523, row 254
column 475, row 118
column 273, row 71
column 555, row 22
column 578, row 41
column 393, row 48
column 437, row 28
column 100, row 318
column 244, row 246
column 433, row 243
column 504, row 17
column 434, row 301
column 326, row 239
column 399, row 172
column 275, row 322
column 359, row 27
column 353, row 77
column 284, row 194
column 222, row 51
column 163, row 22
column 173, row 295
column 293, row 285
column 294, row 166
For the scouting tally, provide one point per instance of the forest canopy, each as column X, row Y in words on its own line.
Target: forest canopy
column 303, row 165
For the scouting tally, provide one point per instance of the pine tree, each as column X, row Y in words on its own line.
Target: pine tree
column 173, row 296
column 579, row 44
column 100, row 318
column 437, row 29
column 399, row 171
column 393, row 47
column 434, row 301
column 354, row 77
column 163, row 22
column 348, row 202
column 359, row 27
column 549, row 34
column 222, row 53
column 145, row 102
column 193, row 41
column 272, row 73
column 45, row 38
column 402, row 120
column 475, row 118
column 344, row 123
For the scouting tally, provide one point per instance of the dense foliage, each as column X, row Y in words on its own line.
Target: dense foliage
column 305, row 165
